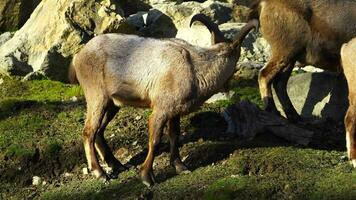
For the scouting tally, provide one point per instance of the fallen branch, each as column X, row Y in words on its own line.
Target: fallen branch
column 246, row 120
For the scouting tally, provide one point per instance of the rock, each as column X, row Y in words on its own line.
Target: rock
column 74, row 99
column 14, row 13
column 123, row 154
column 47, row 41
column 164, row 19
column 197, row 35
column 133, row 6
column 67, row 174
column 247, row 70
column 153, row 23
column 36, row 180
column 218, row 11
column 5, row 37
column 34, row 76
column 254, row 47
column 308, row 68
column 139, row 117
column 85, row 171
column 170, row 19
column 240, row 13
column 321, row 95
column 220, row 96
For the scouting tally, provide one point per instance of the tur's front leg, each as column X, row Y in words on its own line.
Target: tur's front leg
column 173, row 130
column 155, row 128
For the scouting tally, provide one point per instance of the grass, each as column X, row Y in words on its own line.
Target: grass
column 40, row 128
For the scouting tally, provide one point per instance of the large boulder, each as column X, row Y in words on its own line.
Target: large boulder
column 321, row 95
column 14, row 13
column 165, row 19
column 5, row 37
column 55, row 31
column 172, row 20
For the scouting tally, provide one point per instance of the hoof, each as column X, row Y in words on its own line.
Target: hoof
column 180, row 167
column 187, row 171
column 296, row 119
column 353, row 162
column 101, row 176
column 117, row 170
column 147, row 178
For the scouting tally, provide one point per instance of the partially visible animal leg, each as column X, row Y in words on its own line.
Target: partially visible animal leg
column 173, row 130
column 268, row 76
column 350, row 122
column 103, row 148
column 348, row 64
column 265, row 80
column 280, row 85
column 156, row 125
column 95, row 113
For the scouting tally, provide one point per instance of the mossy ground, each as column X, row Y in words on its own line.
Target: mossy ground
column 40, row 135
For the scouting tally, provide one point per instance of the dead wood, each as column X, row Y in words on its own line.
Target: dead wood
column 246, row 120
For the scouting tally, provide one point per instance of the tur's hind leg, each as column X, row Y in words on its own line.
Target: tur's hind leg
column 96, row 109
column 265, row 80
column 277, row 71
column 173, row 130
column 156, row 125
column 101, row 145
column 350, row 123
column 348, row 53
column 280, row 85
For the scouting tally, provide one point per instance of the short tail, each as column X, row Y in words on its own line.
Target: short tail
column 72, row 75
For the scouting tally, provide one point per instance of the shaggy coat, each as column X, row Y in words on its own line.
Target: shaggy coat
column 308, row 31
column 312, row 33
column 168, row 75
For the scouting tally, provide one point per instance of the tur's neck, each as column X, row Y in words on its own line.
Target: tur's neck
column 212, row 74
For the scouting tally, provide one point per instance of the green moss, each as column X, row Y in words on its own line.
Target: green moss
column 225, row 103
column 96, row 189
column 18, row 151
column 249, row 93
column 52, row 146
column 37, row 90
column 40, row 132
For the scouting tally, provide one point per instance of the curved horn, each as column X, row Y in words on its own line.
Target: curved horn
column 244, row 31
column 216, row 35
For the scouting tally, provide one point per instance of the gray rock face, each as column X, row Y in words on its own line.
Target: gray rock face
column 45, row 44
column 254, row 47
column 166, row 18
column 322, row 95
column 14, row 13
column 47, row 41
column 5, row 37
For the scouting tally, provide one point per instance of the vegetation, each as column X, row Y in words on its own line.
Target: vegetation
column 40, row 135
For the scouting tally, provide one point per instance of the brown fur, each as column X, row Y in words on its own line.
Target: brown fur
column 170, row 76
column 308, row 31
column 348, row 55
column 71, row 74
